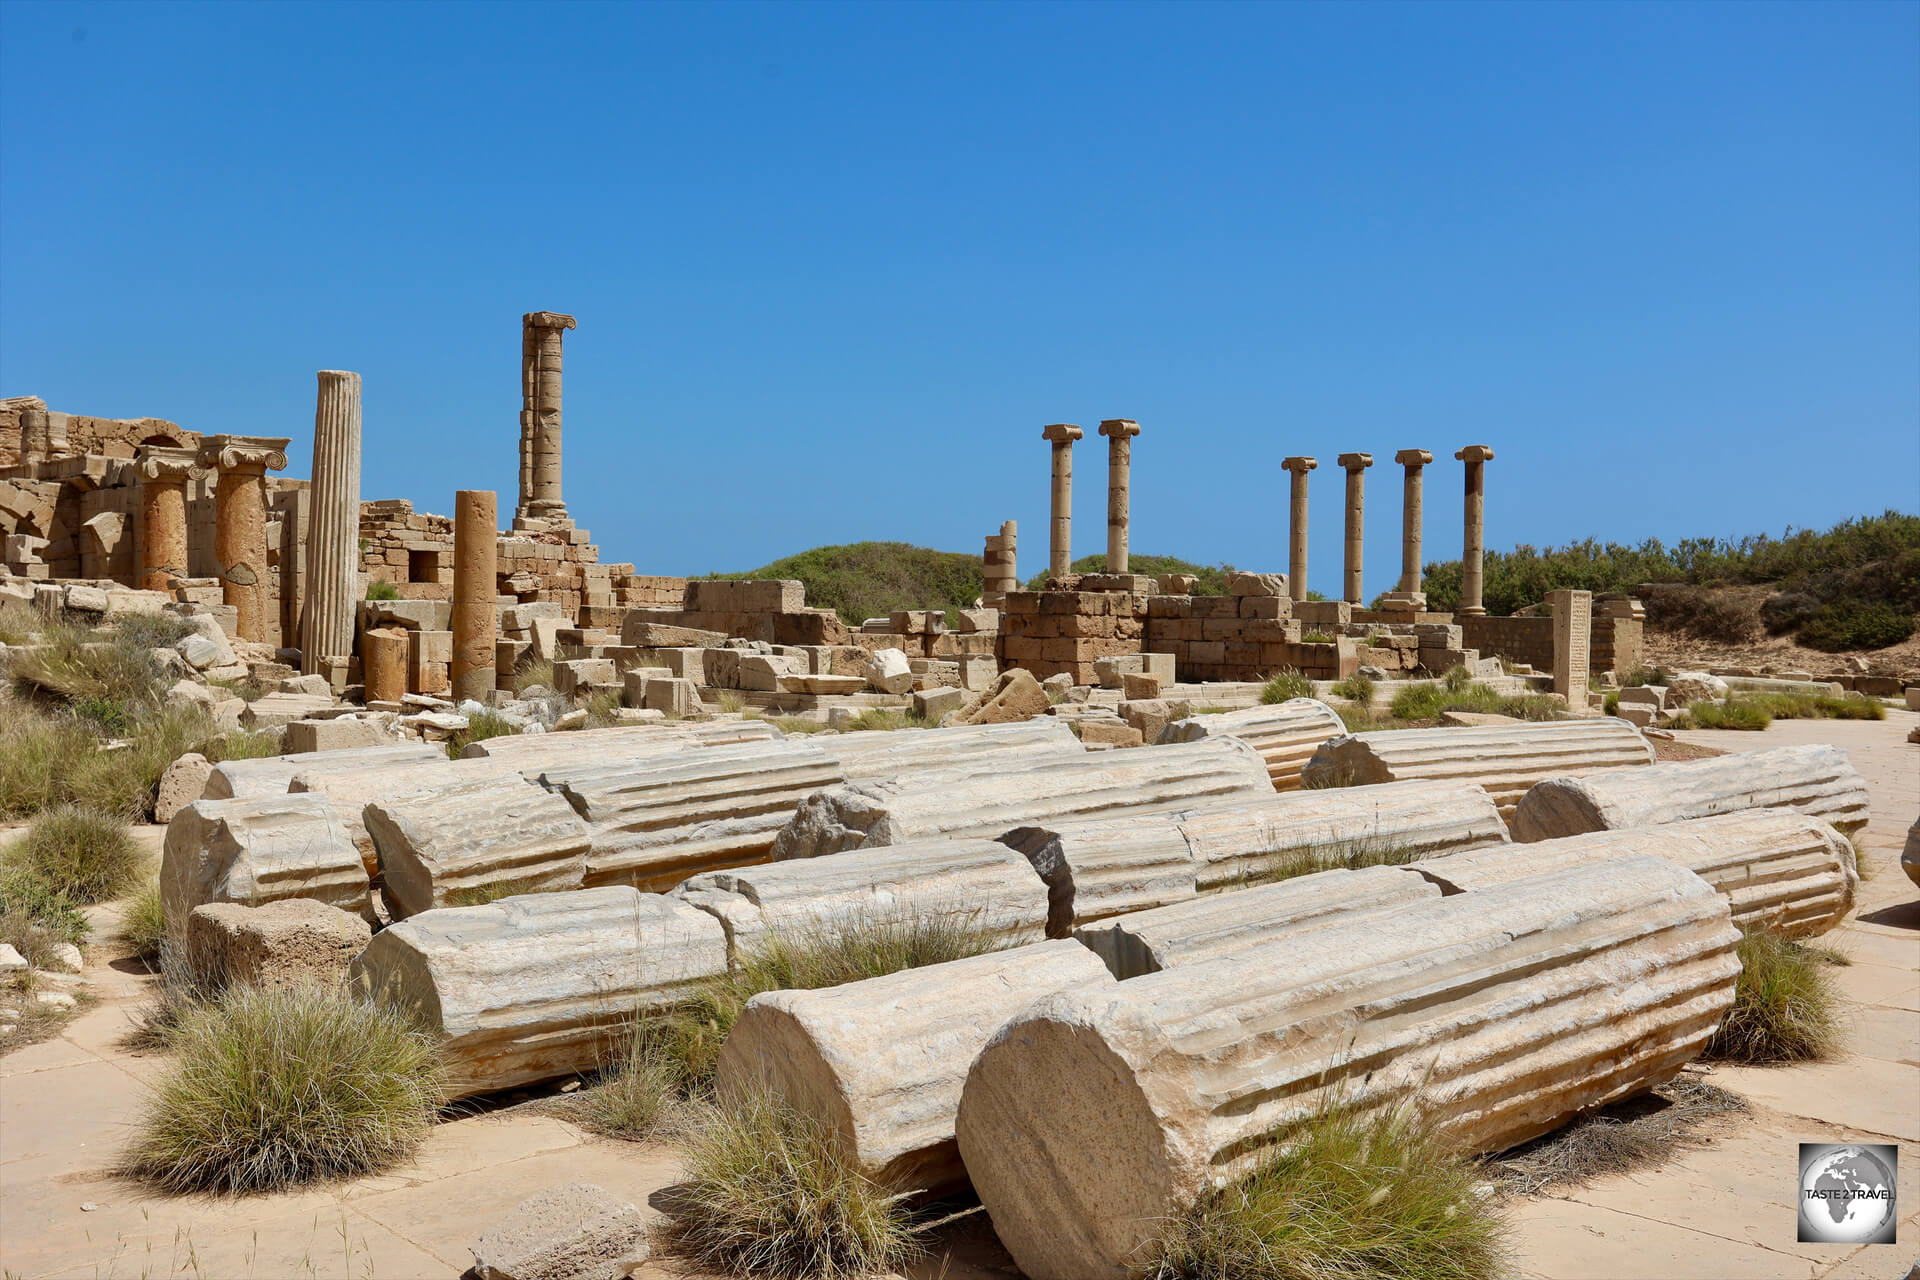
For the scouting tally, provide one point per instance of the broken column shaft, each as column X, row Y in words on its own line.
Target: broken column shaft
column 1297, row 527
column 1060, row 550
column 1412, row 514
column 1356, row 465
column 164, row 472
column 333, row 528
column 540, row 335
column 1473, row 539
column 240, row 522
column 475, row 569
column 1120, row 433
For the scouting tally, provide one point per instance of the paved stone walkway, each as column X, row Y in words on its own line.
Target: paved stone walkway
column 1722, row 1211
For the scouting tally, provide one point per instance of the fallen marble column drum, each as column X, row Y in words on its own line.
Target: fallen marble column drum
column 1222, row 924
column 978, row 886
column 869, row 754
column 1098, row 1114
column 537, row 986
column 1816, row 780
column 532, row 752
column 1111, row 867
column 1505, row 759
column 1778, row 869
column 258, row 851
column 351, row 790
column 475, row 838
column 1286, row 734
column 659, row 819
column 274, row 775
column 998, row 796
column 880, row 1063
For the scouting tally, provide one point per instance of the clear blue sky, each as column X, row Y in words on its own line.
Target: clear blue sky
column 836, row 266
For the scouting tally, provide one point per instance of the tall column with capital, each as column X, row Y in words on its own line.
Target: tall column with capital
column 1119, row 433
column 1060, row 550
column 333, row 527
column 1297, row 527
column 1474, row 534
column 476, row 591
column 240, row 522
column 1412, row 514
column 164, row 472
column 1356, row 465
column 540, row 334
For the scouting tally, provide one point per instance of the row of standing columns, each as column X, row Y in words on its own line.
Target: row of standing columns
column 1412, row 515
column 1061, row 435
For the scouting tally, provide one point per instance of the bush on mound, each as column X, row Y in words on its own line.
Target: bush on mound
column 276, row 1087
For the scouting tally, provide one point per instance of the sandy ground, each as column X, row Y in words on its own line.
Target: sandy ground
column 1724, row 1210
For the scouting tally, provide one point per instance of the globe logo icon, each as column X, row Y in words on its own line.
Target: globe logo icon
column 1846, row 1196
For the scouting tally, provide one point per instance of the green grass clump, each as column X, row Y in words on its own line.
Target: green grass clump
column 20, row 622
column 531, row 672
column 35, row 917
column 1209, row 580
column 864, row 580
column 796, row 724
column 1734, row 713
column 143, row 923
column 380, row 589
column 242, row 745
column 827, row 954
column 87, row 856
column 275, row 1087
column 75, row 663
column 1355, row 689
column 1317, row 637
column 1329, row 855
column 480, row 727
column 885, row 719
column 769, row 1191
column 1282, row 685
column 1810, row 706
column 1348, row 1195
column 151, row 630
column 638, row 1095
column 1427, row 701
column 1785, row 1006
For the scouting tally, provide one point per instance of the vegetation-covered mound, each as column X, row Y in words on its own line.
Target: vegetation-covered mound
column 1854, row 586
column 1211, row 579
column 864, row 580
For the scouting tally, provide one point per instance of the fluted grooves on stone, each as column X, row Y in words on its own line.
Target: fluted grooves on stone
column 1502, row 1013
column 1815, row 779
column 532, row 987
column 534, row 752
column 658, row 820
column 1286, row 735
column 475, row 836
column 274, row 775
column 1505, row 759
column 257, row 851
column 993, row 797
column 885, row 755
column 333, row 527
column 1778, row 868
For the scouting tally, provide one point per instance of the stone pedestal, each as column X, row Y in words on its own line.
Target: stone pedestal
column 384, row 660
column 540, row 496
column 1297, row 527
column 240, row 523
column 1060, row 549
column 1412, row 514
column 164, row 472
column 1473, row 536
column 475, row 588
column 1119, row 433
column 1572, row 645
column 1356, row 465
column 333, row 527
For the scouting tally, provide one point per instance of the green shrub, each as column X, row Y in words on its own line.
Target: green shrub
column 1317, row 637
column 1356, row 689
column 1611, row 704
column 864, row 580
column 828, row 954
column 274, row 1087
column 143, row 923
column 242, row 745
column 1427, row 701
column 770, row 1192
column 1209, row 580
column 1809, row 706
column 379, row 589
column 1456, row 679
column 1346, row 1196
column 152, row 630
column 1785, row 1006
column 35, row 916
column 90, row 857
column 1283, row 685
column 1856, row 624
column 480, row 726
column 1734, row 713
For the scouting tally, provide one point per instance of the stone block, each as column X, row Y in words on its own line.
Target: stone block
column 258, row 851
column 180, row 785
column 571, row 677
column 932, row 704
column 889, row 672
column 291, row 942
column 675, row 697
column 574, row 1232
column 762, row 672
column 979, row 621
column 339, row 734
column 1102, row 732
column 1139, row 685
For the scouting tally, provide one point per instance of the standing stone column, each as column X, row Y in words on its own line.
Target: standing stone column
column 1119, row 433
column 475, row 592
column 1060, row 551
column 333, row 524
column 1473, row 539
column 164, row 472
column 1001, row 572
column 1412, row 515
column 1010, row 547
column 1297, row 527
column 240, row 522
column 1572, row 646
column 1356, row 465
column 540, row 334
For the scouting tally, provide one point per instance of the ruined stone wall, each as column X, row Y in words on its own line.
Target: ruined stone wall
column 77, row 434
column 774, row 611
column 1050, row 632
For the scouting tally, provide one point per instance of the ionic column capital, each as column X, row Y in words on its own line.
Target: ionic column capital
column 548, row 320
column 1061, row 433
column 245, row 453
column 1475, row 453
column 1413, row 457
column 1356, row 461
column 1300, row 466
column 1119, row 428
column 168, row 463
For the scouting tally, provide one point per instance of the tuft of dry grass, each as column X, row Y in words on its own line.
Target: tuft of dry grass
column 1283, row 685
column 143, row 922
column 276, row 1087
column 89, row 857
column 1640, row 1133
column 1785, row 1005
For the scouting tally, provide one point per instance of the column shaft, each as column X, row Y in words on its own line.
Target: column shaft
column 1297, row 527
column 1412, row 515
column 475, row 590
column 1119, row 433
column 1060, row 549
column 240, row 523
column 1356, row 526
column 1473, row 534
column 333, row 524
column 540, row 368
